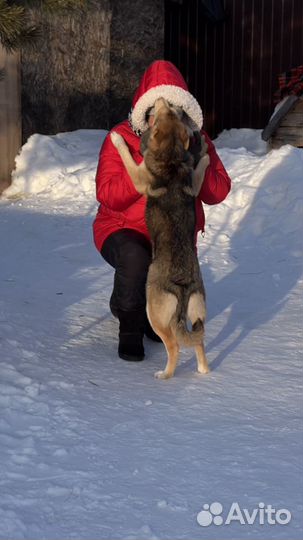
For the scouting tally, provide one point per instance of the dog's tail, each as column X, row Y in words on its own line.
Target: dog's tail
column 190, row 338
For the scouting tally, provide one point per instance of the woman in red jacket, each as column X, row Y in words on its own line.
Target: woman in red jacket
column 120, row 231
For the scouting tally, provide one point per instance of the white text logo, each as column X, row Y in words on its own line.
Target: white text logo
column 263, row 514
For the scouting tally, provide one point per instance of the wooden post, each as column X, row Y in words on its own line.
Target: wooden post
column 10, row 115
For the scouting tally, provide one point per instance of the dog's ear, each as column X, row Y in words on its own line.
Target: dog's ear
column 184, row 136
column 153, row 141
column 154, row 132
column 159, row 103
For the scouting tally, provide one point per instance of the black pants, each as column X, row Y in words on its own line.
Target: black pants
column 129, row 253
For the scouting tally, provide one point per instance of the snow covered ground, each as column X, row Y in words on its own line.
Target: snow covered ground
column 92, row 447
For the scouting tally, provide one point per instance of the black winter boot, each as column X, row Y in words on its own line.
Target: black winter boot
column 131, row 335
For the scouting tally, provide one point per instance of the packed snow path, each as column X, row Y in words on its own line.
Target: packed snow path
column 92, row 447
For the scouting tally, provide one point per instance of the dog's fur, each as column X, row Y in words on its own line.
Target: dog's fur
column 174, row 290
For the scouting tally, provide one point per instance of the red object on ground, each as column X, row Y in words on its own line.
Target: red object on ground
column 290, row 82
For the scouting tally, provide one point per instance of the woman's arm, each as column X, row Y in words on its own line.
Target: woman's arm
column 217, row 184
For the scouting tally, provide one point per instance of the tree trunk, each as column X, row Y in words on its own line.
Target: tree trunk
column 65, row 81
column 10, row 115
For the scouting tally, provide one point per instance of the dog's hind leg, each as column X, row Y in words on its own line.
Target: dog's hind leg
column 196, row 311
column 202, row 364
column 161, row 307
column 172, row 349
column 196, row 307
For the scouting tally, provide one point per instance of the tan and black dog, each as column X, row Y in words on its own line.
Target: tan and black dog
column 174, row 288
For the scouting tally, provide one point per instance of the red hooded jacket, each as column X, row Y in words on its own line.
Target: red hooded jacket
column 121, row 206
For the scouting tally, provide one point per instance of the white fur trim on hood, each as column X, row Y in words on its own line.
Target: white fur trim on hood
column 173, row 94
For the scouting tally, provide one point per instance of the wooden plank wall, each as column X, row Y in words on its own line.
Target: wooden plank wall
column 232, row 67
column 290, row 130
column 10, row 115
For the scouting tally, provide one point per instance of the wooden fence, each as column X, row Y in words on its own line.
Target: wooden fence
column 10, row 115
column 232, row 66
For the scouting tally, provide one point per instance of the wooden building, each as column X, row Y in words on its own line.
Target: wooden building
column 231, row 53
column 286, row 124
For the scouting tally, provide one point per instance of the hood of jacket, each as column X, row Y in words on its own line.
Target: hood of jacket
column 163, row 79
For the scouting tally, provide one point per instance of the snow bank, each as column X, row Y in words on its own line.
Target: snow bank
column 266, row 191
column 263, row 183
column 247, row 139
column 62, row 165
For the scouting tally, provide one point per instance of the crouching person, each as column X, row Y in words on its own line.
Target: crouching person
column 120, row 231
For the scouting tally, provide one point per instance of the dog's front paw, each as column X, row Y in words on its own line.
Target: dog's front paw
column 117, row 139
column 204, row 161
column 204, row 146
column 158, row 192
column 162, row 375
